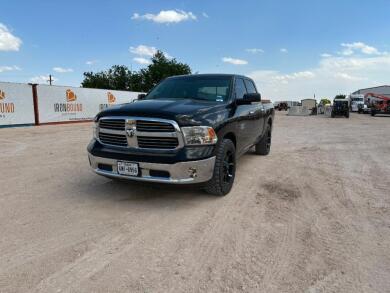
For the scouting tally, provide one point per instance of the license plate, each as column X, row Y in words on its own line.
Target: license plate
column 128, row 168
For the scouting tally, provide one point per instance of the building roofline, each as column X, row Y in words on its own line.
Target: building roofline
column 375, row 87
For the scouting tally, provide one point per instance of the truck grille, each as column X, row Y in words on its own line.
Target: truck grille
column 114, row 124
column 154, row 126
column 157, row 142
column 142, row 133
column 113, row 139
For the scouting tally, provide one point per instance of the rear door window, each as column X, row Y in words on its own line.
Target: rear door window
column 240, row 88
column 250, row 87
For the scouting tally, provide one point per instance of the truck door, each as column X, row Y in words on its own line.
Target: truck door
column 244, row 117
column 257, row 112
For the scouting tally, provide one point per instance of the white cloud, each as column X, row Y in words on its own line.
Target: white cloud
column 326, row 55
column 146, row 51
column 351, row 48
column 283, row 50
column 254, row 50
column 42, row 79
column 234, row 61
column 91, row 62
column 9, row 68
column 141, row 60
column 285, row 78
column 62, row 70
column 143, row 50
column 205, row 15
column 332, row 75
column 166, row 16
column 8, row 42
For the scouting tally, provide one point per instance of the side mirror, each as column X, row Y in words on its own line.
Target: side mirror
column 141, row 96
column 249, row 98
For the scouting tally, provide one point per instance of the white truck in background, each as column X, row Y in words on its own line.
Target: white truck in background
column 356, row 102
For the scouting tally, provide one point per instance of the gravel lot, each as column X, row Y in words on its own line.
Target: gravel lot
column 313, row 216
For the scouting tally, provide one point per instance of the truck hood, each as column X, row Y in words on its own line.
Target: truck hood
column 184, row 112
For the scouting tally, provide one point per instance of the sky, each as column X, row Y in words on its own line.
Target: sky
column 292, row 49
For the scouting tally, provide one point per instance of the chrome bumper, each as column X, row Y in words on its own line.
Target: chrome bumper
column 179, row 173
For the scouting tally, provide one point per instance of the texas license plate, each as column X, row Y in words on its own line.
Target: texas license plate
column 127, row 168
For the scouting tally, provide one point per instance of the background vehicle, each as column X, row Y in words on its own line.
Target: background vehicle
column 364, row 108
column 188, row 129
column 340, row 108
column 379, row 104
column 356, row 101
column 282, row 106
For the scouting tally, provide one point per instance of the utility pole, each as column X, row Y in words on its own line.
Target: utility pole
column 50, row 80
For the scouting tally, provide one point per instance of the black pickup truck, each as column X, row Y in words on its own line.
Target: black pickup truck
column 187, row 130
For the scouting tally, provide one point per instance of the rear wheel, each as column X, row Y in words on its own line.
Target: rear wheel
column 224, row 169
column 263, row 147
column 347, row 115
column 332, row 115
column 373, row 112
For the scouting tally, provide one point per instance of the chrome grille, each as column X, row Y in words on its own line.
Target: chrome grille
column 140, row 133
column 114, row 124
column 154, row 126
column 113, row 139
column 157, row 142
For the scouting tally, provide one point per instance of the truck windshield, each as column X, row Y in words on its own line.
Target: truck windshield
column 213, row 89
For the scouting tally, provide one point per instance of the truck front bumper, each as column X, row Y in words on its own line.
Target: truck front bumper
column 188, row 172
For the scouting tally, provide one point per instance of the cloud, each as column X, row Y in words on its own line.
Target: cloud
column 254, row 50
column 9, row 68
column 166, row 16
column 234, row 61
column 91, row 62
column 62, row 70
column 205, row 15
column 8, row 42
column 332, row 75
column 141, row 60
column 351, row 48
column 42, row 79
column 143, row 50
column 326, row 55
column 283, row 50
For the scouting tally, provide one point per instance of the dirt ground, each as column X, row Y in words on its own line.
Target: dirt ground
column 313, row 216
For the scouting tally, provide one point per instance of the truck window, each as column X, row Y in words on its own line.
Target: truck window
column 240, row 88
column 213, row 89
column 250, row 87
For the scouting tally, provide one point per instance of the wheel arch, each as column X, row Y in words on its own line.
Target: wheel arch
column 232, row 137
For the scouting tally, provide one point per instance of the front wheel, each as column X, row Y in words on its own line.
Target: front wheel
column 224, row 169
column 373, row 113
column 263, row 147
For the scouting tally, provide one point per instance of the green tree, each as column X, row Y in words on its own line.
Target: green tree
column 340, row 96
column 119, row 77
column 160, row 68
column 325, row 101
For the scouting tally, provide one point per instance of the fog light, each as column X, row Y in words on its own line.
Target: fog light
column 192, row 172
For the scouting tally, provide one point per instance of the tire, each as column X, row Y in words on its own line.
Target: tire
column 224, row 169
column 373, row 113
column 263, row 147
column 347, row 115
column 332, row 115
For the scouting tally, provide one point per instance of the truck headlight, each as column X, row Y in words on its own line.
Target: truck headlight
column 199, row 135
